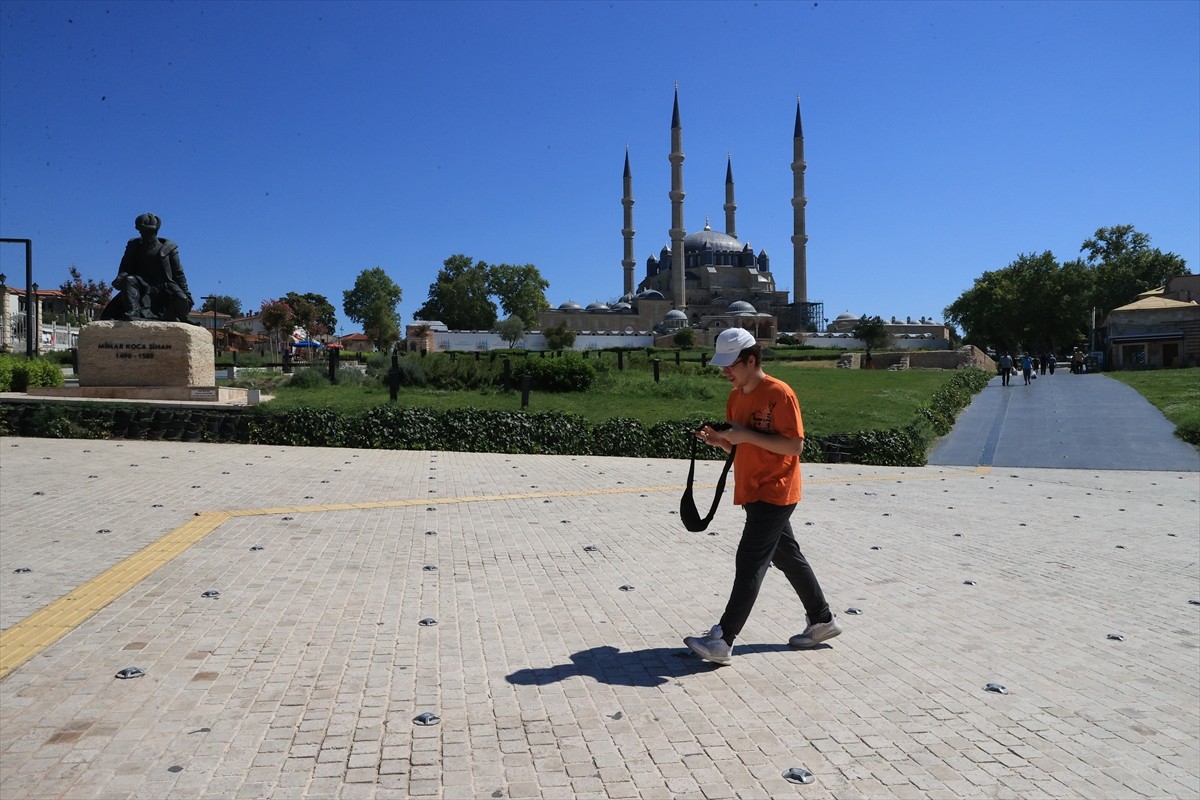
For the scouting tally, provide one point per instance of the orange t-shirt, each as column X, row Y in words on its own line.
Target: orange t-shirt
column 760, row 475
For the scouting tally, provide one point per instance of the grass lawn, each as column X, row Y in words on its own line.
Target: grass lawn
column 831, row 400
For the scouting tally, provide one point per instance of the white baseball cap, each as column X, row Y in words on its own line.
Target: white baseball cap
column 730, row 344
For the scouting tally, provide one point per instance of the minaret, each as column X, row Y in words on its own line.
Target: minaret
column 730, row 206
column 677, row 230
column 627, row 262
column 799, row 201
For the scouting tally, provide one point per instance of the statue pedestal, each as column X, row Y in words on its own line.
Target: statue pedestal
column 159, row 354
column 145, row 360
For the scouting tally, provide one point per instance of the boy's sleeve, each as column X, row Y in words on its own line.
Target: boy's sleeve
column 789, row 422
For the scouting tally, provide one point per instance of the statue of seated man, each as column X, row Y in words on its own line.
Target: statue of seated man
column 150, row 282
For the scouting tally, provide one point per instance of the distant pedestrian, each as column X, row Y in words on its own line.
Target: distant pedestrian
column 1077, row 362
column 1006, row 366
column 1026, row 367
column 1053, row 361
column 766, row 427
column 1042, row 362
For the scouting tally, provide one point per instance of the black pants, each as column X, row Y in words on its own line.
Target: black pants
column 767, row 539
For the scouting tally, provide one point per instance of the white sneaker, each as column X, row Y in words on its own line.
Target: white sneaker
column 711, row 647
column 815, row 633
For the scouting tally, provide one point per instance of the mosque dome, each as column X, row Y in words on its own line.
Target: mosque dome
column 569, row 306
column 740, row 307
column 597, row 306
column 846, row 316
column 621, row 307
column 628, row 297
column 708, row 239
column 651, row 294
column 675, row 313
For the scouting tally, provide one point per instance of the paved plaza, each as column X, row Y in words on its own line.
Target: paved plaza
column 561, row 588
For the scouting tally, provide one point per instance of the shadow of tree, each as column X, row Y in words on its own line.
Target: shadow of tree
column 653, row 666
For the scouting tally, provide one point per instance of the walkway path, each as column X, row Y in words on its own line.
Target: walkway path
column 1064, row 421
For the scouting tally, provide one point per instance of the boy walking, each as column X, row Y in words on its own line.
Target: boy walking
column 767, row 429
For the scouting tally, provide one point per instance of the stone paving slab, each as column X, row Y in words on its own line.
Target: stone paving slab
column 302, row 679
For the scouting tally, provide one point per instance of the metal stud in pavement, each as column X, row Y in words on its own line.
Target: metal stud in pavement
column 130, row 672
column 998, row 688
column 211, row 594
column 427, row 718
column 1116, row 637
column 429, row 568
column 968, row 583
column 428, row 622
column 853, row 611
column 798, row 775
column 22, row 570
column 626, row 588
column 256, row 548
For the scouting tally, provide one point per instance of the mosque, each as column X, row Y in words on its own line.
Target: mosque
column 707, row 280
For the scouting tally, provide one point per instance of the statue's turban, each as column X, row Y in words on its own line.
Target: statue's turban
column 147, row 222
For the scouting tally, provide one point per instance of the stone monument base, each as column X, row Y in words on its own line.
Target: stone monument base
column 194, row 394
column 146, row 353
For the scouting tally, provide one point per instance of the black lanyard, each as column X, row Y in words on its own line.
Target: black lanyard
column 687, row 504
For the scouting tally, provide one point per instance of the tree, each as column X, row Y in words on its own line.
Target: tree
column 559, row 337
column 372, row 303
column 313, row 312
column 685, row 338
column 872, row 331
column 459, row 296
column 512, row 330
column 521, row 290
column 1033, row 304
column 1124, row 265
column 223, row 304
column 277, row 320
column 84, row 299
column 1038, row 304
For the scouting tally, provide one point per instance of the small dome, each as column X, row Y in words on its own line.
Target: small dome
column 621, row 307
column 597, row 306
column 846, row 315
column 675, row 313
column 740, row 307
column 628, row 297
column 569, row 306
column 651, row 294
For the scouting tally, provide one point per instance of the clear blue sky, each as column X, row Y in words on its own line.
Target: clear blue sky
column 288, row 146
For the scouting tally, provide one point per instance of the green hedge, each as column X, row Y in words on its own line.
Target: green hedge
column 18, row 373
column 471, row 430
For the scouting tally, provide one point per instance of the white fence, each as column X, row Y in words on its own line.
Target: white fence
column 51, row 337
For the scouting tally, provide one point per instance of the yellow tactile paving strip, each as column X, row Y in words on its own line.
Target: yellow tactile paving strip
column 46, row 626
